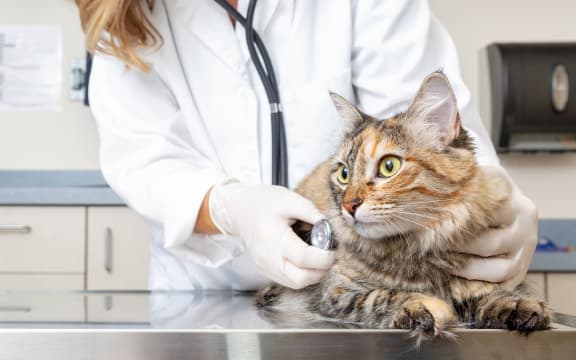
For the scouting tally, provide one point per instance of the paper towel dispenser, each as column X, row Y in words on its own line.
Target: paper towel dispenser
column 529, row 96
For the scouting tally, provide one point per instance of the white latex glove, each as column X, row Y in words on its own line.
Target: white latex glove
column 261, row 215
column 504, row 254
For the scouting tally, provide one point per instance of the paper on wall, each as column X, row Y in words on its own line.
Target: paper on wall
column 30, row 67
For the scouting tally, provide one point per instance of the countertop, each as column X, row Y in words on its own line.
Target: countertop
column 56, row 188
column 226, row 325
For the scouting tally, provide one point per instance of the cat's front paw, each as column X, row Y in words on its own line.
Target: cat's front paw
column 515, row 313
column 268, row 295
column 427, row 317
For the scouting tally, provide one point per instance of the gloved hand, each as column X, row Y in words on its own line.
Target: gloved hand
column 504, row 254
column 261, row 215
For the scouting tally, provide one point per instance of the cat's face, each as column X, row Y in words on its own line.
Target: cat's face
column 400, row 175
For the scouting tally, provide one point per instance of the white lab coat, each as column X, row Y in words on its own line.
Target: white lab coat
column 201, row 116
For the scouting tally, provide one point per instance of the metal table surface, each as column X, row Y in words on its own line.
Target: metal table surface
column 226, row 325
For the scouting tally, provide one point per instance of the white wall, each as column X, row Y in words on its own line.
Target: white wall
column 44, row 140
column 68, row 140
column 550, row 180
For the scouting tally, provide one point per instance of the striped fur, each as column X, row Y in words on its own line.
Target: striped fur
column 397, row 253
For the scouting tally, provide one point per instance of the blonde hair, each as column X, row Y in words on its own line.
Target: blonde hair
column 126, row 25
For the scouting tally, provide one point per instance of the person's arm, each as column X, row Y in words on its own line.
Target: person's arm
column 146, row 153
column 149, row 159
column 204, row 223
column 397, row 43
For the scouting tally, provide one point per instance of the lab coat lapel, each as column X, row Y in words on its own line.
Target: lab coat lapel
column 218, row 36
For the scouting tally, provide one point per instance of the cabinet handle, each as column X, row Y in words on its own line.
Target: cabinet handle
column 108, row 250
column 15, row 309
column 108, row 303
column 21, row 229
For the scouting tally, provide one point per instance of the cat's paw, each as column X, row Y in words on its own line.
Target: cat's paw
column 427, row 317
column 515, row 313
column 268, row 295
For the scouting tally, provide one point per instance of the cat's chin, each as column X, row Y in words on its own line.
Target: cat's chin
column 373, row 231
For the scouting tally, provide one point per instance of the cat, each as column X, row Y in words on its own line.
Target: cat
column 402, row 195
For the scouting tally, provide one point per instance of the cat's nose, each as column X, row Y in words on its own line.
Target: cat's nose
column 352, row 205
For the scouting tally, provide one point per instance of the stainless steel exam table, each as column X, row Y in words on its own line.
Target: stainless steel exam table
column 226, row 325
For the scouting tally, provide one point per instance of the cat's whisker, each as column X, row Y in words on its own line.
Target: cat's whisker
column 416, row 214
column 428, row 201
column 417, row 206
column 402, row 234
column 409, row 220
column 386, row 206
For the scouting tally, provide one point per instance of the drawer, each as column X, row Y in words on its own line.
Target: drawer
column 33, row 308
column 42, row 239
column 41, row 282
column 130, row 308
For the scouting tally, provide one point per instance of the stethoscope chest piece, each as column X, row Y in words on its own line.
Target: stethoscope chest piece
column 321, row 235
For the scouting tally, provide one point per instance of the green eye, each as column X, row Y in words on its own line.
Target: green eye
column 389, row 166
column 343, row 174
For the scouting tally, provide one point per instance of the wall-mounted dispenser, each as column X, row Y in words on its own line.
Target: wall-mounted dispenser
column 529, row 96
column 80, row 69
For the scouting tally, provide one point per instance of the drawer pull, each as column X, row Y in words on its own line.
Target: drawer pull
column 108, row 303
column 21, row 229
column 15, row 309
column 108, row 250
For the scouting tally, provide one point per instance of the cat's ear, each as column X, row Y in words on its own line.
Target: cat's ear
column 347, row 110
column 435, row 104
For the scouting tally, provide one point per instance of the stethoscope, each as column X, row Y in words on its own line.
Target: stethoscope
column 321, row 235
column 263, row 64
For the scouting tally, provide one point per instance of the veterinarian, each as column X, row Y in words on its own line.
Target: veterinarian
column 184, row 125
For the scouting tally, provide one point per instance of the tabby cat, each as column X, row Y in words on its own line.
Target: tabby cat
column 402, row 195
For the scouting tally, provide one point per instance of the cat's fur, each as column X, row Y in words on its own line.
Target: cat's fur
column 397, row 255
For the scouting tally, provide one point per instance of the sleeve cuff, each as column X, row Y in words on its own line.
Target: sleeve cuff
column 181, row 205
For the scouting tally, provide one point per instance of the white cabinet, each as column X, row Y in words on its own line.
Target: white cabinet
column 562, row 291
column 73, row 248
column 118, row 249
column 537, row 284
column 559, row 289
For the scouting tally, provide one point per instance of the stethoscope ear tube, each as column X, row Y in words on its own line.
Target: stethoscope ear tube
column 268, row 79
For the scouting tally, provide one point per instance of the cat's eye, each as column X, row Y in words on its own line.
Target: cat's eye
column 389, row 166
column 343, row 174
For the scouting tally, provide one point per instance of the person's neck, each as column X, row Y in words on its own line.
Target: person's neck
column 234, row 4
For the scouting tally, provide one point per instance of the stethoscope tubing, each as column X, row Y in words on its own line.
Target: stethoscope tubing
column 259, row 55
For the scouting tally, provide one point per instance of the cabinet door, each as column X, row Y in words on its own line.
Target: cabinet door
column 118, row 249
column 562, row 292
